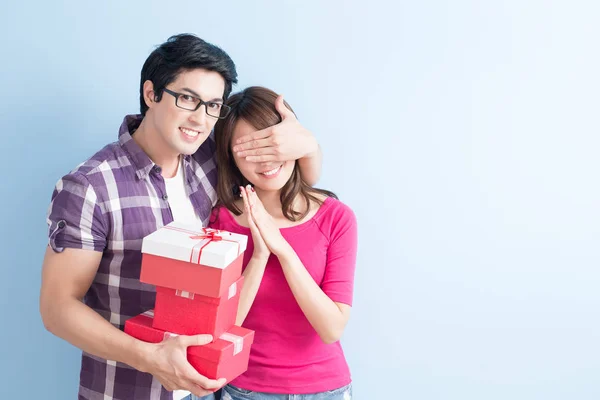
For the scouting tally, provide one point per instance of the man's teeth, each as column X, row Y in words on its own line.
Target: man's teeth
column 273, row 172
column 189, row 132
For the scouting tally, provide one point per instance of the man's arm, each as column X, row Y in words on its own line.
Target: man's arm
column 66, row 277
column 310, row 166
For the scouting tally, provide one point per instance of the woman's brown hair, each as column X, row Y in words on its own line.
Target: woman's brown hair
column 256, row 106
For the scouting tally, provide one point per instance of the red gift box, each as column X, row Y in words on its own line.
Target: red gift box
column 191, row 258
column 188, row 313
column 226, row 357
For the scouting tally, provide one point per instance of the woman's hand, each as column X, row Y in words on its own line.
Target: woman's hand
column 261, row 251
column 266, row 226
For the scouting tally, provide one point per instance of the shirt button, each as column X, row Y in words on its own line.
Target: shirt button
column 61, row 224
column 165, row 197
column 157, row 169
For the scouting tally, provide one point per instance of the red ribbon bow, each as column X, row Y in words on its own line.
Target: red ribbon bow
column 211, row 235
column 207, row 233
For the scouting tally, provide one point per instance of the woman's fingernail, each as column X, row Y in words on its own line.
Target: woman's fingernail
column 252, row 189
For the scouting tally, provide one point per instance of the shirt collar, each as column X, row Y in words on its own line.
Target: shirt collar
column 140, row 160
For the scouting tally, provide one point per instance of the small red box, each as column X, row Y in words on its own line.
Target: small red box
column 194, row 278
column 188, row 313
column 226, row 357
column 191, row 258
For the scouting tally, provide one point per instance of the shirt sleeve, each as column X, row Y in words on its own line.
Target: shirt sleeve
column 75, row 218
column 338, row 280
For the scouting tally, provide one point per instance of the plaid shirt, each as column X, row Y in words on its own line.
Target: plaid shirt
column 108, row 204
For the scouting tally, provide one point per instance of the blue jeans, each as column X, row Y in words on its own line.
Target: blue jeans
column 194, row 397
column 234, row 393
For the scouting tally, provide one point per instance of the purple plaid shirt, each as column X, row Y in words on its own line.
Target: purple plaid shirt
column 108, row 204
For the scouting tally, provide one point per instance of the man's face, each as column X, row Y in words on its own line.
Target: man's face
column 183, row 131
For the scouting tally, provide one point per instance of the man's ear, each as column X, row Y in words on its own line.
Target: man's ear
column 149, row 96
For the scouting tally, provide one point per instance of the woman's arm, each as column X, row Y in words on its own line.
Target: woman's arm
column 327, row 317
column 253, row 275
column 255, row 269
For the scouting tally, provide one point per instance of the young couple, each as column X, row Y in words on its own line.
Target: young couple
column 241, row 163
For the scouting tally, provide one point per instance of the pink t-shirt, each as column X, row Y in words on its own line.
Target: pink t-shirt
column 287, row 355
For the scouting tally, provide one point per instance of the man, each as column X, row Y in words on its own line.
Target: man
column 161, row 168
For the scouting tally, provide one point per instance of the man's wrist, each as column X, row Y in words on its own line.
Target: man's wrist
column 314, row 153
column 141, row 355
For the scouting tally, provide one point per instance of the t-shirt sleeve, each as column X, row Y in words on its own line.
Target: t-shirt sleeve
column 75, row 219
column 215, row 221
column 338, row 280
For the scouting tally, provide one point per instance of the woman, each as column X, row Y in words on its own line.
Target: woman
column 298, row 266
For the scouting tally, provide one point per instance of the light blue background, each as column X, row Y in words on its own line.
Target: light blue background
column 464, row 135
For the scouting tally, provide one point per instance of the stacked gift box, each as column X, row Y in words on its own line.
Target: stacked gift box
column 197, row 274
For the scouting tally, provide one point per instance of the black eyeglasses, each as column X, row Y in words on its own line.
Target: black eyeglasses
column 191, row 103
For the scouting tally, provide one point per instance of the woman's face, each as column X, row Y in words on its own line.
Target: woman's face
column 268, row 176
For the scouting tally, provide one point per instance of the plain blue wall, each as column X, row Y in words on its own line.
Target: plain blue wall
column 464, row 135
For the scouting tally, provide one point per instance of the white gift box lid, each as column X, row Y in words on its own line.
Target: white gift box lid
column 191, row 243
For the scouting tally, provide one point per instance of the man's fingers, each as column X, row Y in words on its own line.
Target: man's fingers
column 195, row 389
column 258, row 152
column 195, row 381
column 263, row 158
column 285, row 112
column 263, row 133
column 253, row 144
column 203, row 382
column 195, row 340
column 199, row 392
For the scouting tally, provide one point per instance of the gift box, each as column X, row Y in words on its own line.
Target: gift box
column 226, row 357
column 193, row 259
column 189, row 313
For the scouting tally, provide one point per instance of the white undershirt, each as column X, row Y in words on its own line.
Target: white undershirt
column 179, row 201
column 180, row 394
column 182, row 210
